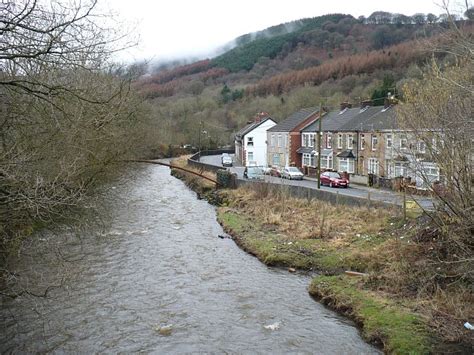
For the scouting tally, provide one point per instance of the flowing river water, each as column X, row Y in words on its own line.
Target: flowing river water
column 157, row 279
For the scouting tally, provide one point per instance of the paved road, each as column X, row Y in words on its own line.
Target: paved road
column 355, row 190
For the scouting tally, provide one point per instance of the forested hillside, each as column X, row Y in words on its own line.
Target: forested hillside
column 330, row 58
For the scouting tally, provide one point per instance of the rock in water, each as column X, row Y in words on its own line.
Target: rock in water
column 164, row 330
column 273, row 326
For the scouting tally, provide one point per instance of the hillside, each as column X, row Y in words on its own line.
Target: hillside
column 285, row 67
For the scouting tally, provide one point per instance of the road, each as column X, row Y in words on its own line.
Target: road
column 364, row 192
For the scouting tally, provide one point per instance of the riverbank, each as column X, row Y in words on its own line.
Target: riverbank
column 397, row 302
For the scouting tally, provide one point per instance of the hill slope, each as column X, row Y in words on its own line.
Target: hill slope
column 284, row 68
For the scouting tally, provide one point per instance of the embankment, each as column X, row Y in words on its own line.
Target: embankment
column 395, row 301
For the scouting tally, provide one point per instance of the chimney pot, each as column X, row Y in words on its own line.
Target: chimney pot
column 365, row 103
column 345, row 105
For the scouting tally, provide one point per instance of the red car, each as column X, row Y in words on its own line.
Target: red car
column 275, row 171
column 333, row 179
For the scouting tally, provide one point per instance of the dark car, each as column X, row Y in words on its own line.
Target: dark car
column 253, row 173
column 333, row 179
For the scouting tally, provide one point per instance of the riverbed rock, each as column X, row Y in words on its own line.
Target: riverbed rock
column 274, row 326
column 164, row 330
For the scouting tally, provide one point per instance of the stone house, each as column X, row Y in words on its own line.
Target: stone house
column 366, row 141
column 337, row 146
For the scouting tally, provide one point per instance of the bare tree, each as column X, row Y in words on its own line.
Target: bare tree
column 438, row 113
column 64, row 116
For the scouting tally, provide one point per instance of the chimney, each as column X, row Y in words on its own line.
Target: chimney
column 345, row 105
column 260, row 116
column 365, row 103
column 390, row 100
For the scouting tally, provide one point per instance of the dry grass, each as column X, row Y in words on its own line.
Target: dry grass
column 308, row 219
column 401, row 258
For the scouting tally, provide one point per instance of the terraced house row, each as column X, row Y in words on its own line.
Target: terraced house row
column 365, row 143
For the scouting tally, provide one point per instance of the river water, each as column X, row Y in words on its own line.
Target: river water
column 158, row 264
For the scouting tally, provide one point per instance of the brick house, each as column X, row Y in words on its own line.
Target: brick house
column 250, row 141
column 337, row 148
column 284, row 139
column 367, row 141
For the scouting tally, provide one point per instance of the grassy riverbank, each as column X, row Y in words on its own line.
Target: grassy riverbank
column 398, row 303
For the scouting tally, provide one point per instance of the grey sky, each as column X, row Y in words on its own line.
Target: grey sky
column 179, row 28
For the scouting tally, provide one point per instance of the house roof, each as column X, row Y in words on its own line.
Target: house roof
column 346, row 154
column 376, row 118
column 251, row 126
column 372, row 118
column 291, row 122
column 309, row 150
column 332, row 121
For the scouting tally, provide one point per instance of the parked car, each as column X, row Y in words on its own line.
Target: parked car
column 333, row 179
column 226, row 160
column 292, row 173
column 253, row 172
column 273, row 171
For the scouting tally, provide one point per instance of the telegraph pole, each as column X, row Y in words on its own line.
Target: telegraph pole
column 200, row 129
column 319, row 143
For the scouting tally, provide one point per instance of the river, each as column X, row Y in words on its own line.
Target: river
column 157, row 279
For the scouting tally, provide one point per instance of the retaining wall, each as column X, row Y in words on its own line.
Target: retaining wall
column 295, row 191
column 309, row 193
column 193, row 160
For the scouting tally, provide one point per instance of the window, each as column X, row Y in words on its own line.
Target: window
column 286, row 140
column 374, row 142
column 339, row 141
column 305, row 140
column 311, row 139
column 403, row 141
column 272, row 140
column 432, row 174
column 276, row 159
column 350, row 141
column 400, row 169
column 326, row 162
column 328, row 140
column 306, row 159
column 250, row 141
column 422, row 147
column 346, row 164
column 389, row 141
column 388, row 168
column 279, row 140
column 362, row 142
column 373, row 166
column 249, row 156
column 428, row 175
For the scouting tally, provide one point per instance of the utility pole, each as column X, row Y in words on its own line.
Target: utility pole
column 319, row 143
column 200, row 130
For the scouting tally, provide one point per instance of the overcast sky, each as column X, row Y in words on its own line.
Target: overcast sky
column 182, row 28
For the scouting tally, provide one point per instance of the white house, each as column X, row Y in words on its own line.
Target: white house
column 251, row 141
